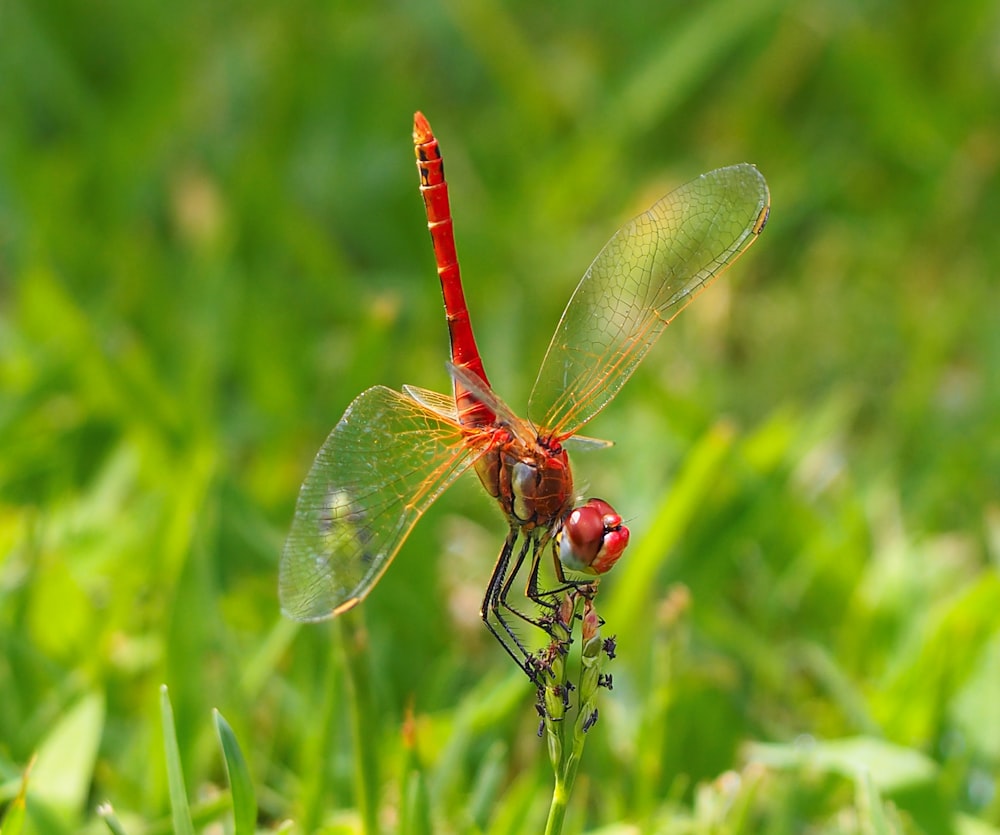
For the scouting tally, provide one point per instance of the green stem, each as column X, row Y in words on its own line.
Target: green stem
column 354, row 640
column 566, row 745
column 557, row 811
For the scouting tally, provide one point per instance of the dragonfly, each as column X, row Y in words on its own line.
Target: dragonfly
column 393, row 453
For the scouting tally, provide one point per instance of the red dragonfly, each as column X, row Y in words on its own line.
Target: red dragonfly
column 393, row 453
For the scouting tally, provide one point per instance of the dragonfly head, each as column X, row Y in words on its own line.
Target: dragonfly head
column 592, row 538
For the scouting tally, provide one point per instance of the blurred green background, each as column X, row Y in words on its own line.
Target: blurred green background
column 211, row 240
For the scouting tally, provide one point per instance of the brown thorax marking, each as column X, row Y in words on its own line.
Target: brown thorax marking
column 533, row 484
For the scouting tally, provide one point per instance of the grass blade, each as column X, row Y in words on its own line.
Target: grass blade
column 354, row 645
column 180, row 811
column 870, row 809
column 66, row 759
column 107, row 814
column 240, row 784
column 12, row 821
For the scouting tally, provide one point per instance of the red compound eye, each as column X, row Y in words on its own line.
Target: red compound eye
column 592, row 538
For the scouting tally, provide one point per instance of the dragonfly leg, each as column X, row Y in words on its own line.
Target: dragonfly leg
column 495, row 600
column 531, row 590
column 547, row 597
column 496, row 607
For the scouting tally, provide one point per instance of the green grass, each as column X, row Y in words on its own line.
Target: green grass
column 211, row 241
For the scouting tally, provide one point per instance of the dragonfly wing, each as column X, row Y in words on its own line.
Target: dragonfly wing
column 503, row 414
column 645, row 275
column 442, row 405
column 382, row 466
column 584, row 443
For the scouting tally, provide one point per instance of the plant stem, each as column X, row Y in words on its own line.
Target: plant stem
column 557, row 811
column 566, row 746
column 354, row 641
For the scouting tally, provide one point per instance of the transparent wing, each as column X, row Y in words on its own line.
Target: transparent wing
column 584, row 443
column 503, row 415
column 442, row 405
column 382, row 466
column 645, row 275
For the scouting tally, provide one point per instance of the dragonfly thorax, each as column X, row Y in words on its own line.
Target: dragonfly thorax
column 534, row 485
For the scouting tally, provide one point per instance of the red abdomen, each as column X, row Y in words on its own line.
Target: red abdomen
column 464, row 351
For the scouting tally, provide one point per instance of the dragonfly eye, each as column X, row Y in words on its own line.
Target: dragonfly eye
column 592, row 538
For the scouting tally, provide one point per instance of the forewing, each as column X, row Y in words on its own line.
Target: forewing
column 645, row 275
column 382, row 466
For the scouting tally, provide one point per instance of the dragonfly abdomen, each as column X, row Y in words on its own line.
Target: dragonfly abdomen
column 434, row 189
